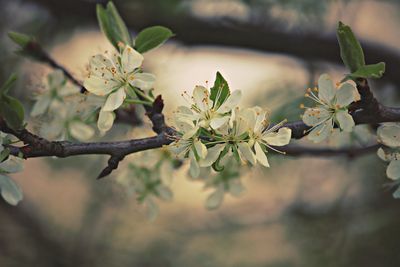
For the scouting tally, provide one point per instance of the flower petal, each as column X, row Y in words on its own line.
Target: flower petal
column 389, row 134
column 115, row 100
column 80, row 130
column 345, row 120
column 106, row 120
column 12, row 165
column 345, row 95
column 280, row 138
column 231, row 102
column 131, row 59
column 201, row 149
column 100, row 86
column 144, row 81
column 218, row 122
column 215, row 199
column 41, row 105
column 326, row 90
column 315, row 116
column 194, row 169
column 212, row 155
column 260, row 155
column 393, row 170
column 321, row 132
column 245, row 149
column 200, row 97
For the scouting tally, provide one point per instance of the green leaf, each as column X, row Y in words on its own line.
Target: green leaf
column 220, row 91
column 374, row 71
column 151, row 38
column 350, row 48
column 10, row 191
column 112, row 25
column 216, row 165
column 4, row 154
column 20, row 39
column 7, row 85
column 12, row 112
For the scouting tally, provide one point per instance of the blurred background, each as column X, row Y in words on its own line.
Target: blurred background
column 304, row 211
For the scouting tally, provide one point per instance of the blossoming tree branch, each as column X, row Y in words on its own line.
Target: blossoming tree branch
column 212, row 132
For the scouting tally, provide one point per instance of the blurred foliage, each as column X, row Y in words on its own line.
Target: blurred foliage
column 358, row 227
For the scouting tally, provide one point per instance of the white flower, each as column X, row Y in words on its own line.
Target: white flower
column 56, row 89
column 66, row 123
column 332, row 107
column 191, row 148
column 262, row 137
column 205, row 112
column 389, row 135
column 113, row 77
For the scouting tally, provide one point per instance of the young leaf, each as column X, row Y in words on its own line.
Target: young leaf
column 151, row 38
column 20, row 39
column 10, row 191
column 350, row 49
column 7, row 85
column 12, row 112
column 118, row 24
column 220, row 91
column 374, row 71
column 112, row 25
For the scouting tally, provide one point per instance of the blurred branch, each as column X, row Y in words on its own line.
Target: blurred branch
column 268, row 38
column 350, row 152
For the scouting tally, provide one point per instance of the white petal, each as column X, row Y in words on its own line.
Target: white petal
column 235, row 187
column 194, row 169
column 12, row 165
column 80, row 130
column 389, row 134
column 9, row 190
column 396, row 194
column 41, row 105
column 245, row 149
column 164, row 192
column 200, row 97
column 152, row 209
column 218, row 122
column 314, row 116
column 144, row 81
column 260, row 154
column 231, row 102
column 212, row 155
column 106, row 120
column 201, row 149
column 100, row 86
column 393, row 170
column 382, row 155
column 326, row 90
column 115, row 100
column 345, row 95
column 249, row 115
column 321, row 132
column 280, row 138
column 216, row 198
column 56, row 79
column 131, row 59
column 345, row 121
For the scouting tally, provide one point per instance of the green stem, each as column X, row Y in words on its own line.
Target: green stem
column 137, row 101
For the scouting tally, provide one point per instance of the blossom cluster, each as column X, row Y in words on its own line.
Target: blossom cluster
column 149, row 180
column 331, row 109
column 9, row 190
column 61, row 112
column 389, row 135
column 213, row 126
column 118, row 78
